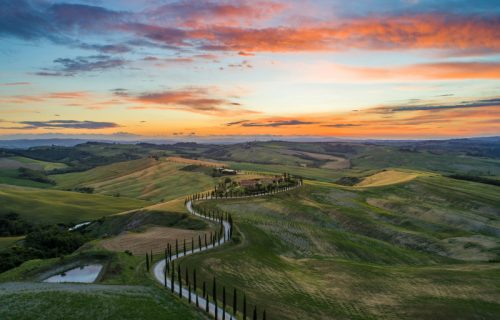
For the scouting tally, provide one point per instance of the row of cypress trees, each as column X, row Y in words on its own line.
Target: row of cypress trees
column 297, row 181
column 191, row 283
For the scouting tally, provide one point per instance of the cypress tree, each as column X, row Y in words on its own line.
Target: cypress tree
column 147, row 262
column 207, row 303
column 235, row 305
column 188, row 284
column 255, row 313
column 244, row 306
column 172, row 277
column 189, row 292
column 194, row 286
column 199, row 242
column 180, row 279
column 192, row 245
column 184, row 247
column 206, row 245
column 165, row 275
column 177, row 248
column 151, row 256
column 223, row 303
column 214, row 295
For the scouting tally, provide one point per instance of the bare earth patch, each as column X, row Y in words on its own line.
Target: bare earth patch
column 155, row 238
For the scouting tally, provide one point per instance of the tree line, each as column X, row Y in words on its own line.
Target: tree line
column 286, row 183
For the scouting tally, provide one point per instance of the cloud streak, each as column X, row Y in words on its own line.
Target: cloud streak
column 271, row 123
column 196, row 100
column 68, row 124
column 70, row 67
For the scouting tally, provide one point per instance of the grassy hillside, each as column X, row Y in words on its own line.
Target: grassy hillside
column 42, row 206
column 6, row 242
column 76, row 301
column 38, row 164
column 125, row 291
column 326, row 251
column 360, row 158
column 147, row 179
column 11, row 176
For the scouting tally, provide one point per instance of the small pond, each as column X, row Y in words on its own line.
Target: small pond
column 84, row 274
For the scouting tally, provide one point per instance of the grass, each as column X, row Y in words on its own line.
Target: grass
column 154, row 239
column 43, row 206
column 325, row 252
column 146, row 179
column 125, row 291
column 11, row 177
column 94, row 302
column 387, row 177
column 6, row 242
column 43, row 165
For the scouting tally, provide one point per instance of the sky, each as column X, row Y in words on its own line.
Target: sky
column 394, row 69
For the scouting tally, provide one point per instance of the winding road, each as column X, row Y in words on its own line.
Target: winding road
column 159, row 267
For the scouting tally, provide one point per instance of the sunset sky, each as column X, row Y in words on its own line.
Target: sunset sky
column 360, row 69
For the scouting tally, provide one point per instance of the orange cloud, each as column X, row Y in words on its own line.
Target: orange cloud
column 477, row 117
column 196, row 100
column 411, row 32
column 199, row 14
column 432, row 71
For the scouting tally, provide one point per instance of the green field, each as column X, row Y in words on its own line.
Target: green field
column 403, row 241
column 43, row 206
column 326, row 251
column 146, row 179
column 6, row 242
column 42, row 301
column 11, row 176
column 43, row 165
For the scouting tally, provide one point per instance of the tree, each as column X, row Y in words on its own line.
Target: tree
column 214, row 295
column 165, row 273
column 194, row 286
column 147, row 262
column 172, row 278
column 177, row 248
column 223, row 303
column 188, row 285
column 184, row 247
column 207, row 303
column 180, row 279
column 235, row 305
column 244, row 306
